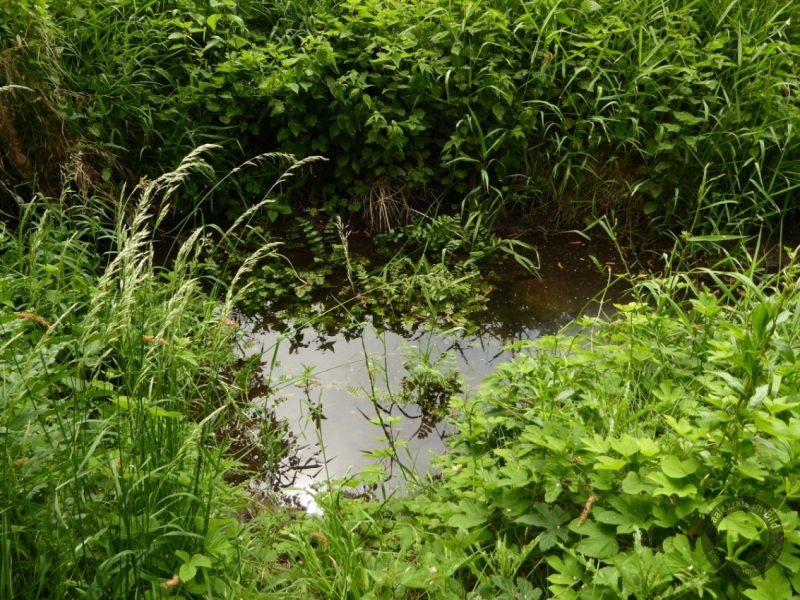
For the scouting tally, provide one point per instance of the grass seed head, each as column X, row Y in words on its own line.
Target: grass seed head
column 32, row 317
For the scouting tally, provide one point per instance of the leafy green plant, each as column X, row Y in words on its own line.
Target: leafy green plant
column 579, row 107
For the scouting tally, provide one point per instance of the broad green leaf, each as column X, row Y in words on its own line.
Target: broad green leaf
column 473, row 515
column 550, row 519
column 514, row 476
column 198, row 560
column 187, row 572
column 686, row 117
column 598, row 546
column 124, row 402
column 752, row 472
column 760, row 320
column 567, row 572
column 679, row 553
column 677, row 468
column 607, row 576
column 627, row 445
column 770, row 586
column 669, row 486
column 606, row 463
column 498, row 110
column 648, row 447
column 681, row 427
column 590, row 6
column 212, row 21
column 599, row 541
column 597, row 444
column 157, row 411
column 609, row 517
column 563, row 18
column 552, row 490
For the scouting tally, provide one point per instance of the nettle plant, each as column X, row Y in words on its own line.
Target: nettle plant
column 597, row 456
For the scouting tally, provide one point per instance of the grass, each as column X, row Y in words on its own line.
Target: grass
column 117, row 376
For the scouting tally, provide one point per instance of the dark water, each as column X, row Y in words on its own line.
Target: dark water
column 331, row 417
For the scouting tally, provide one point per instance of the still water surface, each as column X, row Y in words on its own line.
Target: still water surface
column 331, row 418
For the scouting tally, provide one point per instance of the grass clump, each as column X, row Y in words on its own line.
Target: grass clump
column 116, row 376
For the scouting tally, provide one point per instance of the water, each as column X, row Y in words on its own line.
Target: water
column 331, row 417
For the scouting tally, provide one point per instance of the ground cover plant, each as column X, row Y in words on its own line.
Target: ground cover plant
column 433, row 270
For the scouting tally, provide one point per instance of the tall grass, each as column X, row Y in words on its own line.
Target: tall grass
column 116, row 375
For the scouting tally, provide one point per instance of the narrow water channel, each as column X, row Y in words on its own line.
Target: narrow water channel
column 321, row 382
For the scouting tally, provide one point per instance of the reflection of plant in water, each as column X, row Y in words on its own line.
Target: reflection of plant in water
column 429, row 384
column 429, row 271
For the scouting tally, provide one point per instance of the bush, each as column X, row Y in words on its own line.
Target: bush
column 573, row 105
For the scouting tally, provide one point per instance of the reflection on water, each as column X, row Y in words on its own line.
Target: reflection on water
column 321, row 382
